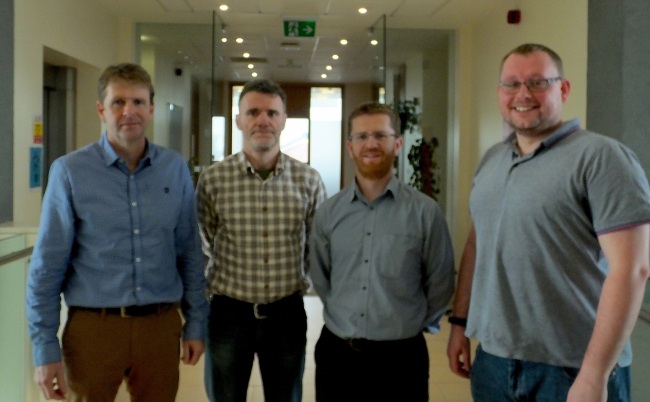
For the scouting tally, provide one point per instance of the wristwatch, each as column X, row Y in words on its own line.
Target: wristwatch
column 462, row 322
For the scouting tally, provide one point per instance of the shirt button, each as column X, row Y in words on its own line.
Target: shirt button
column 134, row 204
column 137, row 259
column 265, row 234
column 264, row 209
column 368, row 234
column 136, row 231
column 365, row 261
column 138, row 288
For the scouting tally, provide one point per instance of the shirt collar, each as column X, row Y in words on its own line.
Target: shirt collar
column 246, row 167
column 392, row 188
column 556, row 136
column 111, row 157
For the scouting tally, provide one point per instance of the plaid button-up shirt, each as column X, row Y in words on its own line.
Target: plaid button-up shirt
column 255, row 230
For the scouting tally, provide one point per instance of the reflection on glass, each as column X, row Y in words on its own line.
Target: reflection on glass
column 218, row 138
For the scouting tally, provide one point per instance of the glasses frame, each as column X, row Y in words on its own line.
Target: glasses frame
column 380, row 136
column 537, row 85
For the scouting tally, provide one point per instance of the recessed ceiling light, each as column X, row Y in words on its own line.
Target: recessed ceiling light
column 224, row 40
column 323, row 75
column 374, row 42
column 251, row 66
column 223, row 7
column 254, row 74
column 363, row 10
column 335, row 56
column 328, row 68
column 239, row 40
column 344, row 42
column 246, row 55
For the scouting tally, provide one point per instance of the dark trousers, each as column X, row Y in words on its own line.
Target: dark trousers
column 101, row 350
column 237, row 331
column 362, row 370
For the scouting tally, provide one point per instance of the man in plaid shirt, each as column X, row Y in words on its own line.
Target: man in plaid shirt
column 255, row 213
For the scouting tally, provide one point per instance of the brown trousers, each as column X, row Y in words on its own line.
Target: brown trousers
column 102, row 350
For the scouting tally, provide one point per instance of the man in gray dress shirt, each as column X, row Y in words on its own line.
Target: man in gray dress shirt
column 382, row 263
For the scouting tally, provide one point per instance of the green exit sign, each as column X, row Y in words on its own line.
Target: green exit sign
column 301, row 29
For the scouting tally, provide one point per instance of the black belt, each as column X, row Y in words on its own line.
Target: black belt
column 260, row 310
column 368, row 345
column 128, row 311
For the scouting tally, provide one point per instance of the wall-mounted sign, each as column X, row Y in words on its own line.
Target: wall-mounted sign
column 301, row 29
column 38, row 130
column 35, row 166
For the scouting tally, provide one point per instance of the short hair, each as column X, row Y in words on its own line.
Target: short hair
column 129, row 72
column 264, row 86
column 376, row 108
column 528, row 48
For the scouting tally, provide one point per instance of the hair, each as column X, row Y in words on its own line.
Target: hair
column 376, row 108
column 129, row 72
column 264, row 86
column 528, row 48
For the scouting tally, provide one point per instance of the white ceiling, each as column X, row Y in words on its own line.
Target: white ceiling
column 183, row 30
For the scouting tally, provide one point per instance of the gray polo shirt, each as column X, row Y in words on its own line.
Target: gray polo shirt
column 539, row 267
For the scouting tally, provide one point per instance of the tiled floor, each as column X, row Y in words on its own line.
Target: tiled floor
column 443, row 385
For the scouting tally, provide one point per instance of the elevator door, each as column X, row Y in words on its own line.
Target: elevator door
column 58, row 114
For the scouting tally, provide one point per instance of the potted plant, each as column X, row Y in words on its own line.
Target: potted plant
column 426, row 176
column 408, row 115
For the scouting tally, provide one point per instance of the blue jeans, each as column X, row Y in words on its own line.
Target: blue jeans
column 498, row 379
column 235, row 335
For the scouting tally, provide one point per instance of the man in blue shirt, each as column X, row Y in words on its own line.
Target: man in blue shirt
column 119, row 238
column 382, row 263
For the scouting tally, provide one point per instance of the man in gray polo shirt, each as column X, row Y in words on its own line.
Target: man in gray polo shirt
column 555, row 265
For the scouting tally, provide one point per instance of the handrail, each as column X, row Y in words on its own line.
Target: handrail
column 9, row 258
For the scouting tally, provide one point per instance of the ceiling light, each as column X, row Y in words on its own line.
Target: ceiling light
column 335, row 56
column 251, row 66
column 323, row 75
column 328, row 68
column 363, row 10
column 254, row 74
column 224, row 40
column 239, row 40
column 344, row 42
column 374, row 42
column 246, row 55
column 223, row 7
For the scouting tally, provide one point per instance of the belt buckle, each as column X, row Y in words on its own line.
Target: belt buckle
column 354, row 344
column 257, row 313
column 123, row 313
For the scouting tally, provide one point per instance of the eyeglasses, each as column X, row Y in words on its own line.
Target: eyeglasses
column 379, row 136
column 538, row 85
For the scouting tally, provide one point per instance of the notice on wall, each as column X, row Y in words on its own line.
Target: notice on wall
column 38, row 130
column 35, row 166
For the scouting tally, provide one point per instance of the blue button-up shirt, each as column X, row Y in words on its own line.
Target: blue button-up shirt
column 110, row 237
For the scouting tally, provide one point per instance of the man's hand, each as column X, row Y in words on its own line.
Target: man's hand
column 583, row 390
column 458, row 352
column 192, row 351
column 51, row 379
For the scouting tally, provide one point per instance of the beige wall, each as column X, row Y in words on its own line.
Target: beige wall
column 559, row 24
column 75, row 28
